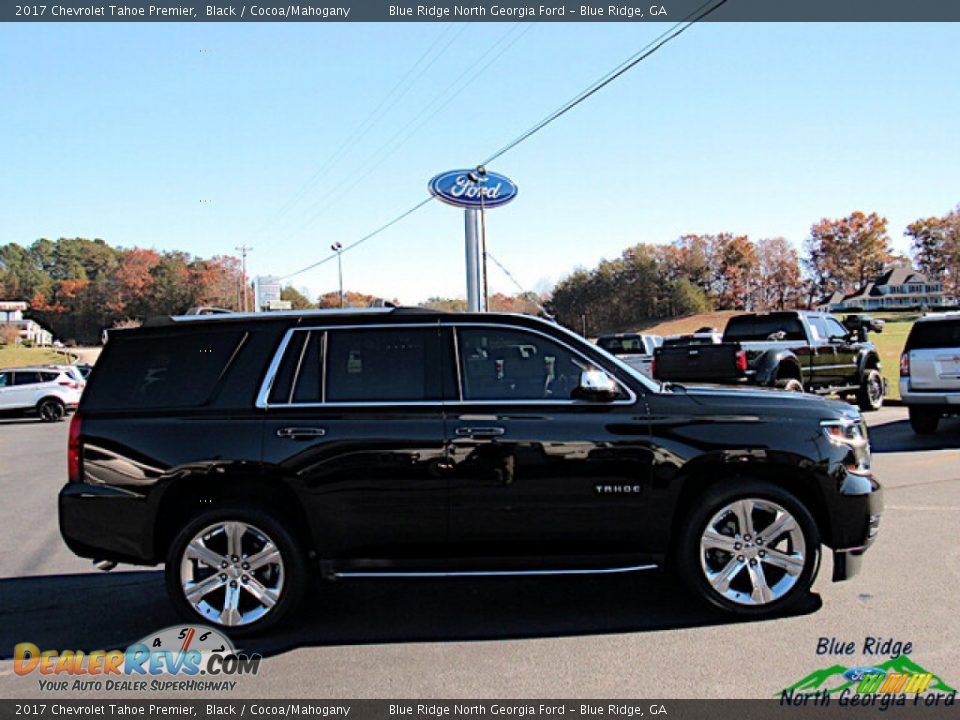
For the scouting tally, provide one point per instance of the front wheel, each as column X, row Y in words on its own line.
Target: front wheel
column 749, row 548
column 870, row 394
column 236, row 567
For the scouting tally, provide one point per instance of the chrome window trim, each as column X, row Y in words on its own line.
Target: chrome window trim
column 263, row 403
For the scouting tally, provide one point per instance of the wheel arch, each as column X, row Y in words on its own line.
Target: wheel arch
column 189, row 494
column 779, row 366
column 701, row 476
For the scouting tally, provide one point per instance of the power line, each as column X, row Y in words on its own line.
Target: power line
column 366, row 237
column 634, row 60
column 526, row 293
column 369, row 122
column 388, row 148
column 598, row 85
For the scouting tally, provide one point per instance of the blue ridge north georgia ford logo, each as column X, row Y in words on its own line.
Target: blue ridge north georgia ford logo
column 489, row 190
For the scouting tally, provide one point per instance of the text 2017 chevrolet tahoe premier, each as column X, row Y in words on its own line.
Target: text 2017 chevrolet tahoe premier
column 246, row 451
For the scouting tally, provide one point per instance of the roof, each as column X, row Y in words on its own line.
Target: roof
column 892, row 276
column 283, row 315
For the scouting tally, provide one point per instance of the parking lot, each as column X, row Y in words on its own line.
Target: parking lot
column 604, row 636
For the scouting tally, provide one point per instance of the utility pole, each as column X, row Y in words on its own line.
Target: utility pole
column 243, row 250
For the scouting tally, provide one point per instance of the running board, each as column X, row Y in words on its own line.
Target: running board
column 489, row 573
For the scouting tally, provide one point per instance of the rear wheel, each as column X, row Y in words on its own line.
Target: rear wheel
column 870, row 394
column 924, row 420
column 236, row 567
column 749, row 548
column 51, row 410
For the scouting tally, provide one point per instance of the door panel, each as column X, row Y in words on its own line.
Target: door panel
column 535, row 476
column 355, row 425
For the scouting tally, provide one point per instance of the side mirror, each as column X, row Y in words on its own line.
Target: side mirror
column 596, row 385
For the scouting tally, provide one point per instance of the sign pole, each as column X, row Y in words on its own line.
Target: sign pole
column 472, row 248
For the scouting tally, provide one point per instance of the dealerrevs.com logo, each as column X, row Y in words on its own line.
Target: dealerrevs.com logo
column 185, row 658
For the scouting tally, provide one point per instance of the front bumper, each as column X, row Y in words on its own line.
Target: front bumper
column 105, row 523
column 856, row 522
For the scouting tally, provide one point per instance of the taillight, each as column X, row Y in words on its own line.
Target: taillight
column 70, row 384
column 905, row 365
column 75, row 450
column 653, row 366
column 742, row 360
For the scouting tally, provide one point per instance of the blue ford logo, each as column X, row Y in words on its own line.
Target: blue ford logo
column 456, row 188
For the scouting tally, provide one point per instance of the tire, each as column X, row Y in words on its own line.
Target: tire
column 51, row 410
column 870, row 394
column 717, row 567
column 924, row 420
column 282, row 581
column 790, row 385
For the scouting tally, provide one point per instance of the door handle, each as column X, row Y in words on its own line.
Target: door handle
column 300, row 433
column 479, row 432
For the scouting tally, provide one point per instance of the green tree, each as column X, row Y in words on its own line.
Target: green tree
column 298, row 301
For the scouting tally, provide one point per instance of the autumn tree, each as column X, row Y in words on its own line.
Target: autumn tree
column 844, row 254
column 936, row 248
column 780, row 280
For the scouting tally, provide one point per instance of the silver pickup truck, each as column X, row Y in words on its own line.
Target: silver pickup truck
column 930, row 370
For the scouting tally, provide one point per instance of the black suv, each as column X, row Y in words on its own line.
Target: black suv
column 245, row 451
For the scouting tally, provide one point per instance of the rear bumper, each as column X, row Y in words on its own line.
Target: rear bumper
column 856, row 523
column 105, row 523
column 932, row 397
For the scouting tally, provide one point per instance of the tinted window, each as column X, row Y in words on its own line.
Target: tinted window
column 157, row 371
column 49, row 376
column 3, row 379
column 622, row 344
column 835, row 329
column 28, row 377
column 935, row 334
column 504, row 364
column 282, row 389
column 749, row 328
column 382, row 365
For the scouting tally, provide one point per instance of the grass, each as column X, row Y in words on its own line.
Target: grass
column 19, row 356
column 889, row 343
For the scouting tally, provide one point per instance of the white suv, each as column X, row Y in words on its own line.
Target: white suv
column 49, row 391
column 930, row 371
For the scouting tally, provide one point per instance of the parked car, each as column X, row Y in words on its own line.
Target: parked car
column 245, row 452
column 930, row 371
column 49, row 392
column 796, row 350
column 635, row 349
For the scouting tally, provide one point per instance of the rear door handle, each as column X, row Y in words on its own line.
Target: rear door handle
column 300, row 433
column 479, row 432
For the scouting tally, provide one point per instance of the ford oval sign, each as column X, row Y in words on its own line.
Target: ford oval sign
column 456, row 188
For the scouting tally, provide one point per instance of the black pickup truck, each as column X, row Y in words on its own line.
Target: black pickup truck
column 798, row 351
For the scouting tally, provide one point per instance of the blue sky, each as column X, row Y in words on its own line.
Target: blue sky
column 204, row 136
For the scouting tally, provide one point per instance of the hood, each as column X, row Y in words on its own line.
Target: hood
column 770, row 401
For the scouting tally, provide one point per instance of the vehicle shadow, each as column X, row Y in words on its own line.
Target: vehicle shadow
column 899, row 437
column 21, row 421
column 99, row 611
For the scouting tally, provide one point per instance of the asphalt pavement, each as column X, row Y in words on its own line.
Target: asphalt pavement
column 590, row 637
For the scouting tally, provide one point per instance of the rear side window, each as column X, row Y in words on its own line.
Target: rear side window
column 48, row 376
column 3, row 379
column 377, row 365
column 622, row 344
column 761, row 329
column 934, row 334
column 28, row 377
column 163, row 371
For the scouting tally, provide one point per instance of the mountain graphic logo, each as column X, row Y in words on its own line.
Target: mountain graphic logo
column 837, row 678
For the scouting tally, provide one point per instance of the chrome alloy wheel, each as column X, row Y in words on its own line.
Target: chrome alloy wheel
column 752, row 552
column 232, row 573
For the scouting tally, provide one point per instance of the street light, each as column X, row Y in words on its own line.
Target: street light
column 338, row 249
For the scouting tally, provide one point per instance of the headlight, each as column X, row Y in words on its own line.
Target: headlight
column 852, row 433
